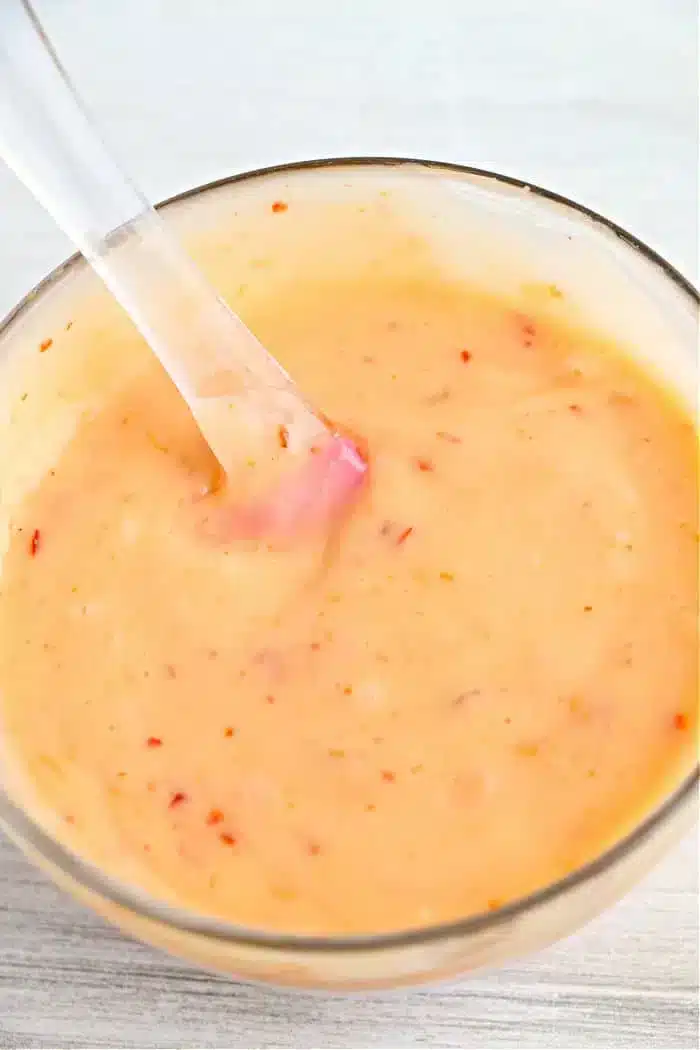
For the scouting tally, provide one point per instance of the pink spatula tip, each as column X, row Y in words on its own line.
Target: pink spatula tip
column 309, row 500
column 345, row 454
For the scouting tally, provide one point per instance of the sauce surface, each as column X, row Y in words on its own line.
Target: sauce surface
column 482, row 679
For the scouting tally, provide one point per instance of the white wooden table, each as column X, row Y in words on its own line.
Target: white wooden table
column 594, row 98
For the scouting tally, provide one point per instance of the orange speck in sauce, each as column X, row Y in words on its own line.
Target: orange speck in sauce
column 215, row 816
column 314, row 849
column 438, row 397
column 403, row 536
column 681, row 720
column 227, row 838
column 45, row 345
column 283, row 436
column 426, row 465
column 279, row 206
column 388, row 776
column 229, row 731
column 270, row 699
column 154, row 741
column 465, row 356
column 619, row 397
column 177, row 799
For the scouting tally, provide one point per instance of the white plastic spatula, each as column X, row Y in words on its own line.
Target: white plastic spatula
column 245, row 404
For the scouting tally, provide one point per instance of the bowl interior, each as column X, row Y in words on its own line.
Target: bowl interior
column 497, row 233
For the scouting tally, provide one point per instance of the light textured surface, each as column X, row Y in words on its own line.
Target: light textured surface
column 596, row 99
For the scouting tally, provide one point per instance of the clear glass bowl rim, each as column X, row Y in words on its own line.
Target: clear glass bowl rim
column 136, row 901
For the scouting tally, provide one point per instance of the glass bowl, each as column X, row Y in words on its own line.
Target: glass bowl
column 499, row 231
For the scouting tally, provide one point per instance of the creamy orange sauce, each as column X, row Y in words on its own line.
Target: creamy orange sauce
column 481, row 681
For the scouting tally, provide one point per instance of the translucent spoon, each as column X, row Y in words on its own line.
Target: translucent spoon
column 245, row 404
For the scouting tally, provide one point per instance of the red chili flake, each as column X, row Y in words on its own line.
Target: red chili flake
column 229, row 731
column 45, row 345
column 452, row 439
column 403, row 536
column 314, row 849
column 425, row 465
column 575, row 408
column 154, row 741
column 465, row 356
column 279, row 206
column 227, row 839
column 681, row 720
column 283, row 436
column 270, row 699
column 177, row 799
column 388, row 776
column 315, row 646
column 529, row 329
column 34, row 543
column 215, row 816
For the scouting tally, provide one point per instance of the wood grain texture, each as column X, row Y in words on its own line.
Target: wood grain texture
column 595, row 99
